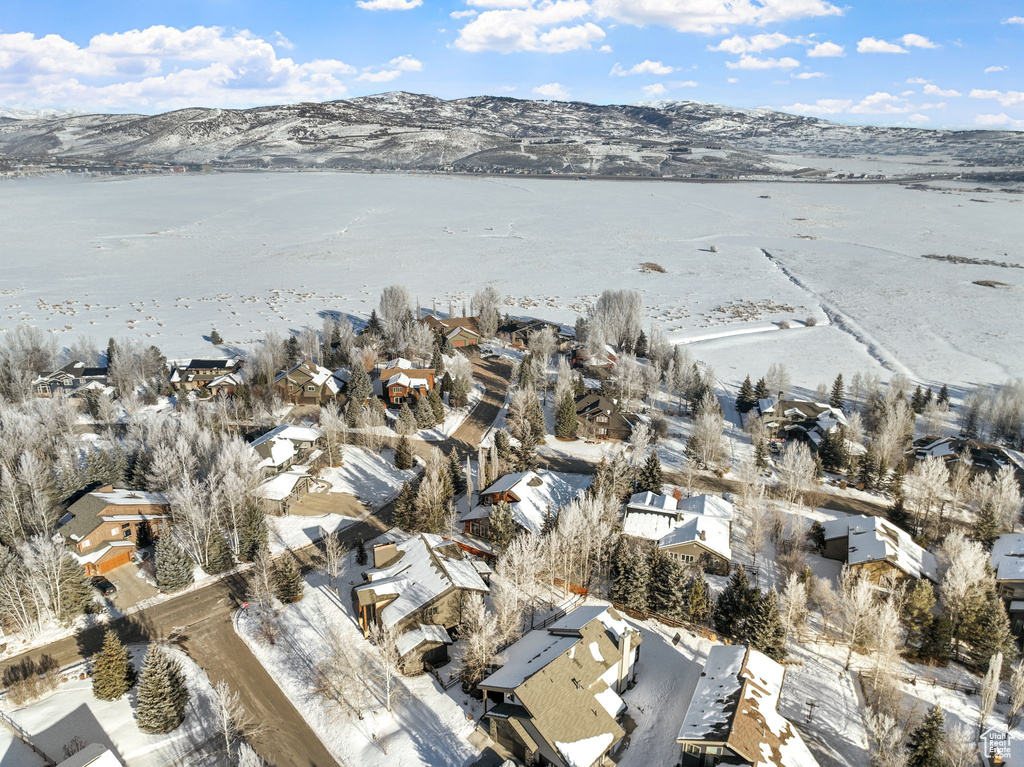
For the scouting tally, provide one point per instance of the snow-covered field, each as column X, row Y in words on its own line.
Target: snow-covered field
column 72, row 710
column 371, row 477
column 251, row 252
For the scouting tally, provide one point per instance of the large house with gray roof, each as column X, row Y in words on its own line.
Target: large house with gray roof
column 556, row 699
column 733, row 715
column 690, row 530
column 878, row 548
column 102, row 527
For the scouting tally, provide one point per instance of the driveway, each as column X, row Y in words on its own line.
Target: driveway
column 132, row 588
column 318, row 504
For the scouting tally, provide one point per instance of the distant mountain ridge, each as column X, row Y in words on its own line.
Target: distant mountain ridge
column 405, row 131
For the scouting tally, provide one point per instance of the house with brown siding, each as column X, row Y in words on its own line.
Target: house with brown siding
column 556, row 699
column 400, row 381
column 461, row 331
column 307, row 384
column 417, row 586
column 598, row 418
column 878, row 548
column 691, row 530
column 70, row 378
column 102, row 527
column 195, row 374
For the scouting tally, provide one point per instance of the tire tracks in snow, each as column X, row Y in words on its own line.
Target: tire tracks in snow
column 845, row 323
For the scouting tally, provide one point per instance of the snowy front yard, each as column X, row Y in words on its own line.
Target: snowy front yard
column 426, row 726
column 72, row 711
column 370, row 477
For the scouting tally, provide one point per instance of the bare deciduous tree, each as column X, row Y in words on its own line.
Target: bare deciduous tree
column 796, row 471
column 385, row 642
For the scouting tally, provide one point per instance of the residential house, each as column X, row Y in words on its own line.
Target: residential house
column 226, row 384
column 102, row 527
column 984, row 456
column 195, row 374
column 693, row 530
column 307, row 384
column 557, row 696
column 598, row 418
column 1008, row 565
column 606, row 358
column 93, row 755
column 878, row 548
column 733, row 715
column 461, row 331
column 532, row 497
column 69, row 379
column 281, row 492
column 518, row 332
column 802, row 420
column 280, row 447
column 399, row 380
column 417, row 586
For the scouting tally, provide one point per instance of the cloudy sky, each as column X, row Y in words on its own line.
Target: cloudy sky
column 933, row 63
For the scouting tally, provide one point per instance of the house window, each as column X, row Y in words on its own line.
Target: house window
column 396, row 389
column 692, row 749
column 114, row 531
column 85, row 544
column 602, row 431
column 310, row 388
column 602, row 419
column 126, row 530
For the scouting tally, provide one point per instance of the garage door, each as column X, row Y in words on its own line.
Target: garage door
column 122, row 557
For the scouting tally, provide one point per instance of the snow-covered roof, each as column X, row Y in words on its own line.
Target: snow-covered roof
column 707, row 505
column 401, row 379
column 398, row 362
column 1008, row 557
column 537, row 491
column 122, row 497
column 653, row 501
column 736, row 702
column 234, row 378
column 427, row 567
column 280, row 487
column 423, row 633
column 871, row 539
column 279, row 451
column 583, row 753
column 290, row 432
column 710, row 533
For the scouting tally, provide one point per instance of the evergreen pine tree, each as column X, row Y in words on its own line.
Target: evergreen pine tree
column 986, row 526
column 761, row 390
column 895, row 483
column 501, row 525
column 937, row 640
column 819, row 467
column 987, row 632
column 764, row 630
column 917, row 400
column 898, row 515
column 405, row 509
column 403, row 454
column 359, row 388
column 174, row 568
column 434, row 399
column 943, row 397
column 437, row 361
column 917, row 612
column 112, row 670
column 698, row 601
column 163, row 694
column 458, row 479
column 566, row 424
column 215, row 338
column 579, row 389
column 838, row 397
column 111, row 353
column 446, row 384
column 292, row 350
column 745, row 399
column 833, row 450
column 735, row 604
column 929, row 395
column 631, row 575
column 503, row 447
column 425, row 417
column 459, row 395
column 666, row 589
column 373, row 325
column 868, row 468
column 218, row 557
column 640, row 349
column 926, row 742
column 650, row 475
column 287, row 580
column 406, row 423
column 253, row 534
column 361, row 552
column 761, row 455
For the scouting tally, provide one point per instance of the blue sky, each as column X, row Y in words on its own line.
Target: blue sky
column 930, row 63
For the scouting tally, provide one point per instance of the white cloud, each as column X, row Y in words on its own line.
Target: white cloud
column 907, row 93
column 1005, row 98
column 553, row 91
column 531, row 29
column 1014, row 20
column 160, row 68
column 999, row 120
column 280, row 41
column 990, row 70
column 711, row 16
column 871, row 45
column 821, row 107
column 754, row 44
column 917, row 41
column 654, row 90
column 918, row 118
column 917, row 81
column 808, row 75
column 605, row 49
column 826, row 50
column 946, row 93
column 752, row 62
column 881, row 103
column 500, row 3
column 389, row 5
column 645, row 67
column 733, row 80
column 462, row 14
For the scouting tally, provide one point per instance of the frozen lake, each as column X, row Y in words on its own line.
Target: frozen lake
column 168, row 257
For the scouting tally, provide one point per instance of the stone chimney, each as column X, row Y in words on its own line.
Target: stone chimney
column 626, row 664
column 384, row 554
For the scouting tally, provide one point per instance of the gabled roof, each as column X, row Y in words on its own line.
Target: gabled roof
column 537, row 491
column 88, row 512
column 280, row 487
column 871, row 539
column 1008, row 557
column 704, row 518
column 709, row 533
column 208, row 364
column 427, row 567
column 290, row 432
column 309, row 372
column 736, row 703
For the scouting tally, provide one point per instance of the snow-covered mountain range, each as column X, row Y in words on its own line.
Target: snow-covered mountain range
column 409, row 131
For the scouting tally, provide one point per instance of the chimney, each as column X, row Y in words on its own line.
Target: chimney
column 780, row 395
column 626, row 664
column 384, row 554
column 703, row 535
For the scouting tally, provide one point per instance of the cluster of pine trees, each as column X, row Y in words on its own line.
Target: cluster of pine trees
column 428, row 505
column 645, row 578
column 750, row 616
